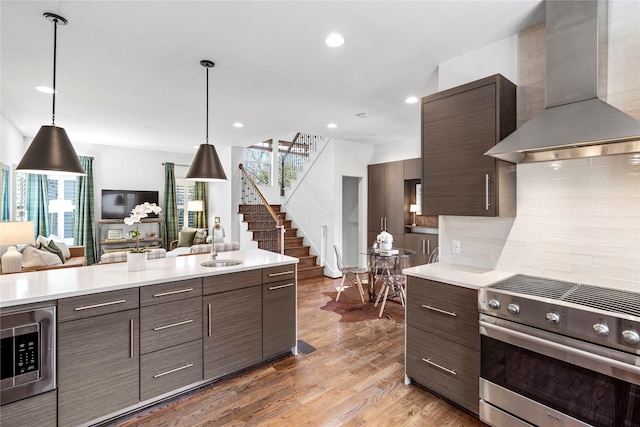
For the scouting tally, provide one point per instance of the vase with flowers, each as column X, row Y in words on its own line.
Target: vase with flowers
column 137, row 257
column 385, row 240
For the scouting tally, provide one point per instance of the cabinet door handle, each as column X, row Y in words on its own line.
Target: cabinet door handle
column 288, row 285
column 385, row 223
column 180, row 291
column 451, row 371
column 171, row 371
column 209, row 319
column 486, row 191
column 381, row 223
column 104, row 304
column 448, row 313
column 159, row 328
column 282, row 273
column 131, row 343
column 423, row 249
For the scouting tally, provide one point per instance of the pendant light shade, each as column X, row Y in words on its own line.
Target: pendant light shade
column 51, row 151
column 206, row 164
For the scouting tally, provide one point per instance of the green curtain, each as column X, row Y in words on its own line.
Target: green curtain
column 4, row 200
column 200, row 218
column 84, row 231
column 37, row 204
column 170, row 208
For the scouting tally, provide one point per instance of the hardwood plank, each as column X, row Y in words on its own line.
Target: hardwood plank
column 355, row 378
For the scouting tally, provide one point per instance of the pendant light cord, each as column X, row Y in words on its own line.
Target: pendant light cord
column 55, row 43
column 207, row 138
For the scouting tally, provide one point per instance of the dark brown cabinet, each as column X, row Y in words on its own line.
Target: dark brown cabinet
column 443, row 342
column 230, row 345
column 98, row 359
column 278, row 310
column 386, row 198
column 458, row 126
column 423, row 244
column 38, row 411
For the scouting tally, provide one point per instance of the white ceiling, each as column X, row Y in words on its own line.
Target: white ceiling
column 128, row 72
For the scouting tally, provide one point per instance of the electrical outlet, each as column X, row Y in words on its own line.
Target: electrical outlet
column 455, row 246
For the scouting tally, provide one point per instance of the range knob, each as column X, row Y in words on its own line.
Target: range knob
column 553, row 318
column 494, row 304
column 513, row 308
column 601, row 329
column 631, row 337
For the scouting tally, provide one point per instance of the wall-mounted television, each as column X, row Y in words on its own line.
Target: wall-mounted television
column 117, row 204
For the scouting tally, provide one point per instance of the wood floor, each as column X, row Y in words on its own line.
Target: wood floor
column 355, row 378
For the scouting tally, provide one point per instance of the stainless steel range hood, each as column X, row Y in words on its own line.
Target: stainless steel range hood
column 575, row 122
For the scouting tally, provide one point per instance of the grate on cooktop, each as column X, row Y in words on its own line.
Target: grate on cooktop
column 535, row 286
column 613, row 300
column 607, row 299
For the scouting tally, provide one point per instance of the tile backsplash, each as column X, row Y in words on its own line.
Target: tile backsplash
column 577, row 220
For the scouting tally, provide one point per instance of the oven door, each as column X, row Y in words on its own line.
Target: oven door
column 549, row 379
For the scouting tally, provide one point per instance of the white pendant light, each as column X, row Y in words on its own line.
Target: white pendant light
column 206, row 165
column 51, row 151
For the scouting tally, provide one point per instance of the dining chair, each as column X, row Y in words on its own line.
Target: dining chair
column 351, row 273
column 393, row 285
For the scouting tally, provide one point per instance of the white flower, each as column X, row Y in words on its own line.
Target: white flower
column 384, row 237
column 137, row 214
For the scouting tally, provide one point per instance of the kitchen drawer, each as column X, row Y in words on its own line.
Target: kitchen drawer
column 277, row 274
column 38, row 411
column 231, row 281
column 457, row 374
column 446, row 310
column 165, row 370
column 169, row 324
column 172, row 291
column 96, row 304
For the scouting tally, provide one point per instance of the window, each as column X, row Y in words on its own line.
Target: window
column 257, row 162
column 61, row 193
column 21, row 196
column 185, row 191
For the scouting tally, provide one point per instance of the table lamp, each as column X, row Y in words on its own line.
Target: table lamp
column 413, row 209
column 11, row 234
column 195, row 206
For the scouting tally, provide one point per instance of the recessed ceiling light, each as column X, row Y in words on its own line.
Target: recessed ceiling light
column 238, row 125
column 334, row 40
column 45, row 89
column 332, row 125
column 411, row 100
column 362, row 115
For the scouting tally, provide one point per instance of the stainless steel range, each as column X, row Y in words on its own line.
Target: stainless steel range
column 559, row 353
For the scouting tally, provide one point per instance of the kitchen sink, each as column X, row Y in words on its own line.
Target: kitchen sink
column 221, row 263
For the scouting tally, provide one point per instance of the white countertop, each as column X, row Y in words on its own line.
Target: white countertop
column 460, row 275
column 38, row 286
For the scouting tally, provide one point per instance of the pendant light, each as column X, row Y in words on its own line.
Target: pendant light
column 206, row 165
column 51, row 151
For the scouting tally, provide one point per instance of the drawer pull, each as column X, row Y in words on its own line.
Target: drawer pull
column 288, row 285
column 171, row 371
column 282, row 273
column 448, row 313
column 159, row 328
column 180, row 291
column 451, row 371
column 104, row 304
column 131, row 339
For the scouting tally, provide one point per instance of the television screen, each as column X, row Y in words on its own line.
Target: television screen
column 117, row 204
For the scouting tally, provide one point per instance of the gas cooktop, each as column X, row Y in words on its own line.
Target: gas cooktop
column 596, row 314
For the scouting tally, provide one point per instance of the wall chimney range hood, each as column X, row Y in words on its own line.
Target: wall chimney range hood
column 575, row 123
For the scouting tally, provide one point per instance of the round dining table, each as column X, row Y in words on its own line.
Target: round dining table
column 380, row 257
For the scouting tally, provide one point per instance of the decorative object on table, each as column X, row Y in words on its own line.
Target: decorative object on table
column 114, row 234
column 137, row 258
column 385, row 240
column 51, row 151
column 150, row 235
column 413, row 208
column 218, row 231
column 11, row 234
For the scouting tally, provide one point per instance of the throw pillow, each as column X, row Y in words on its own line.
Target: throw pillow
column 200, row 237
column 185, row 238
column 41, row 241
column 31, row 257
column 64, row 248
column 54, row 249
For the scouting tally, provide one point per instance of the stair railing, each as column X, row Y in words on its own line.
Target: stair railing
column 292, row 161
column 259, row 208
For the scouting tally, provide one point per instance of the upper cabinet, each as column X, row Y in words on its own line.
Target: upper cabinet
column 386, row 197
column 458, row 126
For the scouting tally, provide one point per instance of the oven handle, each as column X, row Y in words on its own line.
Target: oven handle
column 561, row 347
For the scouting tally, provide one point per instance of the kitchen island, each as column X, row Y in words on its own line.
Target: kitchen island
column 127, row 340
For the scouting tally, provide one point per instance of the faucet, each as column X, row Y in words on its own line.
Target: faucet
column 214, row 253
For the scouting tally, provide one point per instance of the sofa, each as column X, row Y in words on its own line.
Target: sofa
column 203, row 248
column 121, row 256
column 39, row 260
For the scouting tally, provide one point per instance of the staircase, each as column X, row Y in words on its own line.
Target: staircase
column 261, row 224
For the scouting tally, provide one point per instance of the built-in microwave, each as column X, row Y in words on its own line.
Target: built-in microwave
column 27, row 353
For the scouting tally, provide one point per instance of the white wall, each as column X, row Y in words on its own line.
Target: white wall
column 11, row 143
